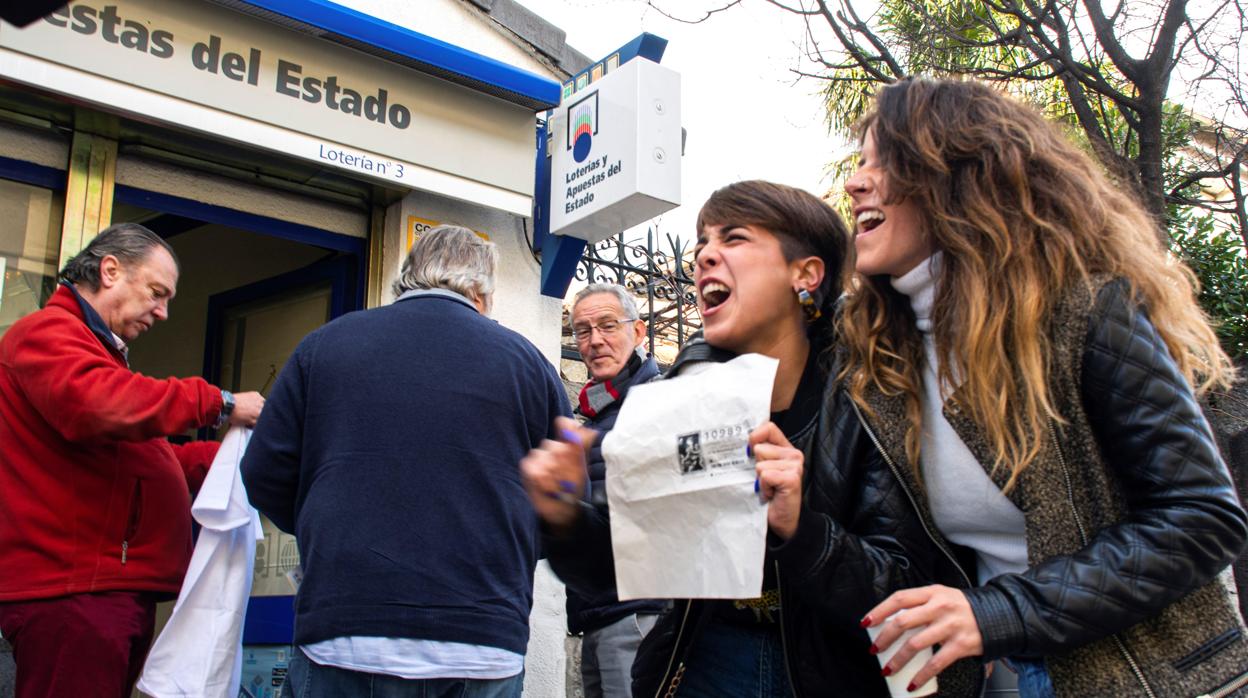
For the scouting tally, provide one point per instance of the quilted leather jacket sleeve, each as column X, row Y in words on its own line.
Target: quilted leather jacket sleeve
column 1184, row 523
column 858, row 538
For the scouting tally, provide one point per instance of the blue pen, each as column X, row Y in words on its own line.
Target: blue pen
column 566, row 493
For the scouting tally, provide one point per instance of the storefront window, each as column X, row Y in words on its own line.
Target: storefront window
column 30, row 241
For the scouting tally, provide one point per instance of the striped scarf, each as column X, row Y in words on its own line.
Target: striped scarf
column 595, row 397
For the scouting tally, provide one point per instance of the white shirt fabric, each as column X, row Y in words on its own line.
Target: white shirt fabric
column 410, row 658
column 121, row 347
column 199, row 653
column 968, row 507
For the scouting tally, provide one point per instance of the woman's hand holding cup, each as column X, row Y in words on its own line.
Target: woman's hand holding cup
column 919, row 619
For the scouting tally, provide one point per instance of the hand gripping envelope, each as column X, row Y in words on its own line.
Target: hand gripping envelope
column 686, row 521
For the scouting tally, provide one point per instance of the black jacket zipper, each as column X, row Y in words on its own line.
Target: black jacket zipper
column 983, row 685
column 1083, row 538
column 904, row 488
column 680, row 670
column 1228, row 688
column 784, row 642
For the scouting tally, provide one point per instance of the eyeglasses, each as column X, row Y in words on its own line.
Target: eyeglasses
column 606, row 327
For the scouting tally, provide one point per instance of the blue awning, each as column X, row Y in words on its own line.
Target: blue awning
column 396, row 44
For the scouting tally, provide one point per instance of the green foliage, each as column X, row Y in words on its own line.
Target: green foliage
column 1212, row 249
column 1216, row 255
column 847, row 99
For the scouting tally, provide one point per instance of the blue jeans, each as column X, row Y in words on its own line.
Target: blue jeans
column 1033, row 678
column 307, row 679
column 728, row 661
column 607, row 656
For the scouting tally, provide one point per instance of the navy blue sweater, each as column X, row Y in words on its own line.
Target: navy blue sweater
column 390, row 448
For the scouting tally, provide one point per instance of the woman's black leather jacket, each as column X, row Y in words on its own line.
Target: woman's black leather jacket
column 858, row 539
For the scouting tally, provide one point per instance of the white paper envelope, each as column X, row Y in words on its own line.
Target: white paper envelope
column 685, row 520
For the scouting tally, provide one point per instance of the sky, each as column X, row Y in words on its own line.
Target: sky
column 746, row 115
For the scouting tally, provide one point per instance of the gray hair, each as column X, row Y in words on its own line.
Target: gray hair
column 130, row 243
column 627, row 304
column 452, row 258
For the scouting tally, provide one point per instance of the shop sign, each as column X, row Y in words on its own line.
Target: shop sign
column 359, row 112
column 417, row 226
column 615, row 152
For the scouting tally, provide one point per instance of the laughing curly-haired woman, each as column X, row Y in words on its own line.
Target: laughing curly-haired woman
column 1026, row 350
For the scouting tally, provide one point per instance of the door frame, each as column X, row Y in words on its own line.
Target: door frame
column 269, row 619
column 255, row 223
column 339, row 272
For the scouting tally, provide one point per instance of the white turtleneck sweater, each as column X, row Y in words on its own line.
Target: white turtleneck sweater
column 968, row 507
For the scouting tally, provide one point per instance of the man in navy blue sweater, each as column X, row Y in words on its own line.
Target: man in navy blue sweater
column 389, row 447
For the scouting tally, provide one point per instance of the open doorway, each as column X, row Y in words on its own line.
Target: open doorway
column 230, row 275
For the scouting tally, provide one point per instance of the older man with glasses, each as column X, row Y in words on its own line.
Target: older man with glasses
column 609, row 334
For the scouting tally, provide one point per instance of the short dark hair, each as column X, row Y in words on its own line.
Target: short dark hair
column 130, row 243
column 805, row 225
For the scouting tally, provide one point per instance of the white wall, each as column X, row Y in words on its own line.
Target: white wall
column 518, row 303
column 167, row 178
column 453, row 22
column 32, row 145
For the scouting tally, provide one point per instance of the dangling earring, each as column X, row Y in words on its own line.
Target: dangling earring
column 807, row 302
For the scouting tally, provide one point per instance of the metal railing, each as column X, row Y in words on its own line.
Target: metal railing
column 661, row 279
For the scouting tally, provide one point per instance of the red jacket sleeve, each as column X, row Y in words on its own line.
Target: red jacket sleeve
column 196, row 457
column 86, row 395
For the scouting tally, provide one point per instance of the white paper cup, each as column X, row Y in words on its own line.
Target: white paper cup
column 901, row 678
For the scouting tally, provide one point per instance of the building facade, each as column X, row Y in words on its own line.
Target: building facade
column 289, row 151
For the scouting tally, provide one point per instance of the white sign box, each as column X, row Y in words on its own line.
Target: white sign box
column 615, row 152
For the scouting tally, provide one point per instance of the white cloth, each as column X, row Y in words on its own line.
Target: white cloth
column 410, row 658
column 199, row 653
column 968, row 507
column 121, row 347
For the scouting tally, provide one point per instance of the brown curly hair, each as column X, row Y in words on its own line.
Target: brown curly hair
column 1020, row 215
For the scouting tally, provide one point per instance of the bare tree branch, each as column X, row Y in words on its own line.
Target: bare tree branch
column 1237, row 188
column 1076, row 56
column 1195, row 177
column 703, row 18
column 861, row 27
column 1104, row 29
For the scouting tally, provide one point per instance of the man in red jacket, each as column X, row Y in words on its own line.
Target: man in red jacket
column 95, row 523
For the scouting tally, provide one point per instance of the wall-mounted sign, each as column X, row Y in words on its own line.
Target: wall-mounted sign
column 615, row 152
column 417, row 226
column 352, row 111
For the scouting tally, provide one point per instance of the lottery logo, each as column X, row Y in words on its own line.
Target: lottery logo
column 582, row 127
